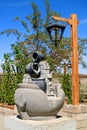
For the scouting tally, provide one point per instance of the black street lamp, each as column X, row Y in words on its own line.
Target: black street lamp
column 55, row 32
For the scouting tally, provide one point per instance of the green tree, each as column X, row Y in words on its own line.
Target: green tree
column 49, row 13
column 21, row 58
column 37, row 39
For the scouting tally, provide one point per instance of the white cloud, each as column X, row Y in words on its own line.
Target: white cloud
column 14, row 4
column 84, row 21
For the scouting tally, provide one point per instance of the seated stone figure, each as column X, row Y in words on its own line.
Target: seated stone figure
column 37, row 97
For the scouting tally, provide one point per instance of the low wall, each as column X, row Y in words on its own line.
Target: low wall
column 79, row 113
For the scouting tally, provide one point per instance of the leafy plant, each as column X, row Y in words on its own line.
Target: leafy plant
column 66, row 85
column 8, row 81
column 13, row 71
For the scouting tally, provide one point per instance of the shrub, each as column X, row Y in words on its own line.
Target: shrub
column 9, row 81
column 66, row 85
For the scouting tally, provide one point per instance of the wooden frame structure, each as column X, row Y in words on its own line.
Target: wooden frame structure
column 73, row 22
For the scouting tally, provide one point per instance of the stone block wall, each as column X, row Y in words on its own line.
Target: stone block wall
column 79, row 113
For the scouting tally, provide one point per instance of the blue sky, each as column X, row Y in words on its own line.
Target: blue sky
column 9, row 9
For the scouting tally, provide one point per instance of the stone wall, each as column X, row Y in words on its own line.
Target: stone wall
column 83, row 80
column 79, row 113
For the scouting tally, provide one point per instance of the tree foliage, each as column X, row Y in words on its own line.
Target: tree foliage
column 8, row 81
column 36, row 38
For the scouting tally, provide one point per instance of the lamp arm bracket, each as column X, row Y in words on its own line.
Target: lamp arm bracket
column 69, row 21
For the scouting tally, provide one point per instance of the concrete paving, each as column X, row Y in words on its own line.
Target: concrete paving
column 4, row 112
column 2, row 118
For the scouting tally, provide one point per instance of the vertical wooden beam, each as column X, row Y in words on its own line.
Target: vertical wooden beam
column 73, row 22
column 64, row 68
column 74, row 43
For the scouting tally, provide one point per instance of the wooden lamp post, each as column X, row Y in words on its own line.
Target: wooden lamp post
column 73, row 22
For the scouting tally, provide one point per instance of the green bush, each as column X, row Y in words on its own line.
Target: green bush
column 67, row 87
column 7, row 89
column 9, row 81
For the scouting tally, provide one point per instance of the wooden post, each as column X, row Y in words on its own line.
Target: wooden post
column 73, row 22
column 74, row 43
column 64, row 68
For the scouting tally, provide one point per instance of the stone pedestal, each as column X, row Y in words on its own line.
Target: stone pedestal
column 79, row 113
column 62, row 123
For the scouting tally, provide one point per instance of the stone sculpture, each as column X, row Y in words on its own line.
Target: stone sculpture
column 37, row 97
